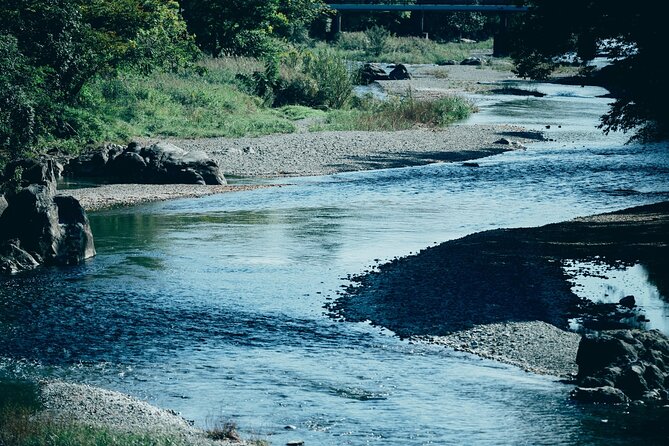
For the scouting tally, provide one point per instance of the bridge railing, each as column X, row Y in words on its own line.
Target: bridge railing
column 428, row 2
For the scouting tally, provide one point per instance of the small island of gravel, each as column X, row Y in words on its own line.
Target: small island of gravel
column 503, row 294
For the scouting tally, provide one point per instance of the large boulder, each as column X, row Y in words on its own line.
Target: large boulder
column 472, row 61
column 371, row 72
column 160, row 163
column 14, row 259
column 43, row 171
column 634, row 362
column 399, row 73
column 40, row 228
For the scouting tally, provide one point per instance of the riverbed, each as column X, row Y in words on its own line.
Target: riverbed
column 213, row 307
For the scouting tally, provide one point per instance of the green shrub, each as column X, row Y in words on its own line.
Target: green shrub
column 332, row 77
column 370, row 114
column 317, row 78
column 378, row 38
column 356, row 41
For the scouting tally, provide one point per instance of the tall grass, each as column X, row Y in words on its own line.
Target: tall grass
column 199, row 103
column 373, row 45
column 398, row 114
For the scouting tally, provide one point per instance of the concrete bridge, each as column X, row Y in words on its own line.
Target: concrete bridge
column 501, row 7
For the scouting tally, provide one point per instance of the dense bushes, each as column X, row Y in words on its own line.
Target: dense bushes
column 248, row 27
column 378, row 45
column 317, row 78
column 632, row 34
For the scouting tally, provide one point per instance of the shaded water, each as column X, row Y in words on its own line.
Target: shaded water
column 213, row 307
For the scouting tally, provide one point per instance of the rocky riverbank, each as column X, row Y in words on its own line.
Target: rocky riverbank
column 479, row 293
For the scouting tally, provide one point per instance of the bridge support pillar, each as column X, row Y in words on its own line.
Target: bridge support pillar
column 502, row 39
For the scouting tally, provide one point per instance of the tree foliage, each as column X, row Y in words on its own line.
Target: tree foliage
column 632, row 35
column 49, row 49
column 247, row 27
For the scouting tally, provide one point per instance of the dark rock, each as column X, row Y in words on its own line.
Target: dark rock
column 42, row 171
column 32, row 218
column 76, row 242
column 596, row 352
column 13, row 259
column 473, row 61
column 471, row 164
column 129, row 166
column 447, row 62
column 632, row 381
column 399, row 73
column 632, row 361
column 604, row 394
column 94, row 162
column 628, row 301
column 39, row 228
column 371, row 72
column 504, row 141
column 160, row 163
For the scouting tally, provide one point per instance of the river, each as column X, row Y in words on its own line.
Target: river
column 214, row 307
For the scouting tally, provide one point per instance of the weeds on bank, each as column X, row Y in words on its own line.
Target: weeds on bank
column 398, row 114
column 235, row 97
column 19, row 402
column 379, row 46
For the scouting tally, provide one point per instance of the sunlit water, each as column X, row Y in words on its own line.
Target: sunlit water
column 213, row 307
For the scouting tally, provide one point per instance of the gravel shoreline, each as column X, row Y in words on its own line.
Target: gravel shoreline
column 115, row 195
column 324, row 153
column 534, row 346
column 97, row 407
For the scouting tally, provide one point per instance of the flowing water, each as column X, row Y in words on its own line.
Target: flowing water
column 214, row 307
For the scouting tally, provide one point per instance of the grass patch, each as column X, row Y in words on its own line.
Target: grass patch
column 188, row 105
column 19, row 402
column 412, row 50
column 297, row 112
column 398, row 114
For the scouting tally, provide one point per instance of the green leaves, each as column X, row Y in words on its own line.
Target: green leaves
column 50, row 49
column 247, row 27
column 632, row 34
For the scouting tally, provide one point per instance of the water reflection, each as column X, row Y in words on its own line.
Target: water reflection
column 602, row 282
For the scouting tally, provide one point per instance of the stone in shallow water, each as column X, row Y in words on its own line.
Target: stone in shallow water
column 604, row 394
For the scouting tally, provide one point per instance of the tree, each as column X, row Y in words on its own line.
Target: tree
column 49, row 49
column 247, row 27
column 632, row 35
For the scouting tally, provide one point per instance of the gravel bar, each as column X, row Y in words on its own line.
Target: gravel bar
column 324, row 153
column 115, row 195
column 533, row 346
column 94, row 406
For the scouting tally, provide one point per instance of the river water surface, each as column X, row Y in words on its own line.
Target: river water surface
column 214, row 307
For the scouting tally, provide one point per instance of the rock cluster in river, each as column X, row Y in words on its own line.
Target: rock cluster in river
column 371, row 72
column 39, row 227
column 619, row 366
column 160, row 163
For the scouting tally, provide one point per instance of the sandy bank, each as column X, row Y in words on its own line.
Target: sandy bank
column 463, row 289
column 113, row 195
